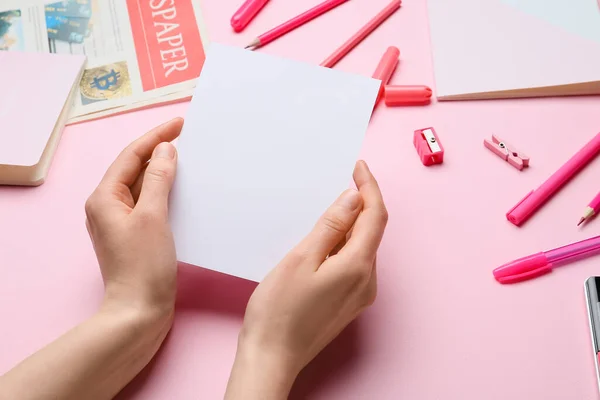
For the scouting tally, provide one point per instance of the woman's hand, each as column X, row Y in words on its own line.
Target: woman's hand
column 312, row 295
column 127, row 219
column 128, row 222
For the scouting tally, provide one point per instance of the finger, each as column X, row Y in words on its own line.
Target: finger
column 158, row 180
column 370, row 224
column 338, row 247
column 333, row 226
column 136, row 188
column 128, row 165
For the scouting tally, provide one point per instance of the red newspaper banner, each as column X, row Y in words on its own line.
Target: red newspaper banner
column 167, row 41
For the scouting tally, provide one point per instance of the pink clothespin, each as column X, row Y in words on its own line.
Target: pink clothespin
column 507, row 152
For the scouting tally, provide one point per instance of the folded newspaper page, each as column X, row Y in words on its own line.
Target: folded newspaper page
column 139, row 52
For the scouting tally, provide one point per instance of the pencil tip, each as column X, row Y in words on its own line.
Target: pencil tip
column 581, row 221
column 253, row 44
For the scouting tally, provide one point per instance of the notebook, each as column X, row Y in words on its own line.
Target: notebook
column 267, row 145
column 514, row 48
column 37, row 93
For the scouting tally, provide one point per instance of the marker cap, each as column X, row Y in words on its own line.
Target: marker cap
column 246, row 13
column 407, row 95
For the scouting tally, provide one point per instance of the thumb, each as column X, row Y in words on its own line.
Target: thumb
column 158, row 179
column 333, row 226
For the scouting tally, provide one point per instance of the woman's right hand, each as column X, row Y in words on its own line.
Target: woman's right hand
column 312, row 295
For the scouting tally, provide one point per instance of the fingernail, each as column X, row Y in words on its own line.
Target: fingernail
column 350, row 199
column 164, row 150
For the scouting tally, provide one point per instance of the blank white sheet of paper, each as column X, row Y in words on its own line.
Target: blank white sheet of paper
column 267, row 145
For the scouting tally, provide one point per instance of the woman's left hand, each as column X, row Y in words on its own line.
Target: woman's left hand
column 127, row 219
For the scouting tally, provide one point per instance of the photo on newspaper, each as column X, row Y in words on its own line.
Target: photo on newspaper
column 140, row 53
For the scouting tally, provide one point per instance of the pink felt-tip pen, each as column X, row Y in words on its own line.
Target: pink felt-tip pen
column 542, row 263
column 246, row 13
column 535, row 199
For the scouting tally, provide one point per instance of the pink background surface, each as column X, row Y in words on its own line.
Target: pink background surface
column 441, row 328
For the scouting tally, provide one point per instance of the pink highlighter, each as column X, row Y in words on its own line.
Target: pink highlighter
column 536, row 198
column 246, row 13
column 542, row 263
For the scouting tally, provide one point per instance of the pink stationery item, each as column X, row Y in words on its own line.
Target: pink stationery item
column 385, row 69
column 397, row 95
column 542, row 263
column 535, row 199
column 33, row 112
column 246, row 13
column 294, row 23
column 591, row 210
column 359, row 36
column 507, row 152
column 428, row 146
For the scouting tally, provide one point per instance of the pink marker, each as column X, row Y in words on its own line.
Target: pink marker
column 542, row 263
column 534, row 200
column 385, row 69
column 246, row 13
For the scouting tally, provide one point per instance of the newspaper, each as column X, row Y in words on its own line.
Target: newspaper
column 139, row 52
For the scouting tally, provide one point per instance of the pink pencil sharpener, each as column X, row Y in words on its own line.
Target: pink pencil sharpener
column 428, row 146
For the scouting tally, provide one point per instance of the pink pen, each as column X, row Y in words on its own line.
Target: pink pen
column 534, row 200
column 246, row 13
column 542, row 263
